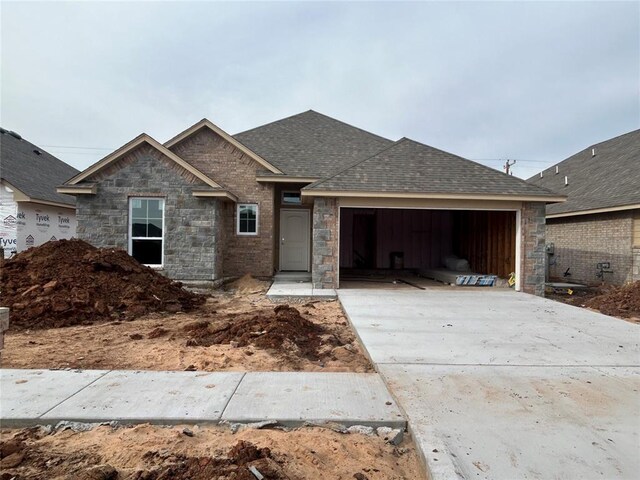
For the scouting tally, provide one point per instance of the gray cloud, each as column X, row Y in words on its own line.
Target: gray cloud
column 533, row 81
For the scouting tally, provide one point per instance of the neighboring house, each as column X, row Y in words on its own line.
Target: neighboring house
column 600, row 221
column 31, row 210
column 307, row 193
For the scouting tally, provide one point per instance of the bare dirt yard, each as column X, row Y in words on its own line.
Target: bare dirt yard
column 231, row 331
column 622, row 302
column 146, row 452
column 77, row 306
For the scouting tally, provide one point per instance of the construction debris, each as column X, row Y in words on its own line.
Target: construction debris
column 69, row 282
column 147, row 452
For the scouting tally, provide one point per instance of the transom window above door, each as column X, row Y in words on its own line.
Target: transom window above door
column 247, row 219
column 146, row 230
column 291, row 198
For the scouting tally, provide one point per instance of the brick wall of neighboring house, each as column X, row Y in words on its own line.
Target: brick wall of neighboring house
column 326, row 235
column 533, row 243
column 583, row 241
column 236, row 172
column 192, row 245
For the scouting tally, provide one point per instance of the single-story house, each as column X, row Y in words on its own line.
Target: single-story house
column 31, row 210
column 594, row 236
column 308, row 193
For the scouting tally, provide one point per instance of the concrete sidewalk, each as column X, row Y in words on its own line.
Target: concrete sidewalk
column 502, row 385
column 37, row 397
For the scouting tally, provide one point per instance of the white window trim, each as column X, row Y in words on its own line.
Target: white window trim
column 247, row 234
column 130, row 242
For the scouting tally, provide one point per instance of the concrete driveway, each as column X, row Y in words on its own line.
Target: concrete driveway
column 504, row 385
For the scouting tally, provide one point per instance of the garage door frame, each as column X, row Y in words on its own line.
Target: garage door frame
column 411, row 204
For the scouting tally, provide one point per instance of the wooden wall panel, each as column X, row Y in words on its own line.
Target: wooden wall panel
column 487, row 239
column 424, row 236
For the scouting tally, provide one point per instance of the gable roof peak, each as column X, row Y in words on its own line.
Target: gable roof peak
column 205, row 122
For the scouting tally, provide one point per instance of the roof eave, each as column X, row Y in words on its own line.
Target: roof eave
column 21, row 196
column 91, row 189
column 223, row 194
column 452, row 196
column 285, row 179
column 593, row 211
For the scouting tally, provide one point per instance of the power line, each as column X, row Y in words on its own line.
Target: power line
column 503, row 159
column 80, row 148
column 71, row 153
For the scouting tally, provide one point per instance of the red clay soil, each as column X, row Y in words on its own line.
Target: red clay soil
column 281, row 328
column 69, row 282
column 235, row 464
column 618, row 301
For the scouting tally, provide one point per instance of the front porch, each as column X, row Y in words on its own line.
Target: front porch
column 297, row 285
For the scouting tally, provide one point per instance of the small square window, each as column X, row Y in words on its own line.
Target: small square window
column 291, row 198
column 247, row 220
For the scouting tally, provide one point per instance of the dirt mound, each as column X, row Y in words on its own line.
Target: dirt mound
column 618, row 301
column 247, row 285
column 280, row 328
column 236, row 465
column 69, row 282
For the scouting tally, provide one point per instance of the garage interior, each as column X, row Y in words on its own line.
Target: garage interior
column 387, row 245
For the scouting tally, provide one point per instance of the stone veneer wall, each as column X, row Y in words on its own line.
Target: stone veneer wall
column 234, row 170
column 533, row 243
column 326, row 235
column 583, row 241
column 635, row 273
column 191, row 231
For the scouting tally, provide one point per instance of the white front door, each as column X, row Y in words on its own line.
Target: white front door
column 294, row 240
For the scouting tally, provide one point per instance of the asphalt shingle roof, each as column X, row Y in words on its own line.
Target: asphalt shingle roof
column 311, row 144
column 407, row 166
column 36, row 175
column 609, row 179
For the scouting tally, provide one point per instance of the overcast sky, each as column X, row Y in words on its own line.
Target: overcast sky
column 534, row 81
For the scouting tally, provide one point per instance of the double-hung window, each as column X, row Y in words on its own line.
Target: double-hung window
column 247, row 219
column 146, row 230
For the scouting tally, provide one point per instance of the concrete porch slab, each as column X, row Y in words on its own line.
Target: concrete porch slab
column 154, row 397
column 292, row 398
column 284, row 290
column 29, row 394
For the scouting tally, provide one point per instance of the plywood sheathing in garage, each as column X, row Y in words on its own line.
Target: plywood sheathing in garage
column 487, row 239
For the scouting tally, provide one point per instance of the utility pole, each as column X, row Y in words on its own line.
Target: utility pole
column 507, row 166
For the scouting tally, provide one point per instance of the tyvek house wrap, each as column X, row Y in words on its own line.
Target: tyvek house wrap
column 25, row 224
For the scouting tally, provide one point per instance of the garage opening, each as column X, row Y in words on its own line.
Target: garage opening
column 427, row 247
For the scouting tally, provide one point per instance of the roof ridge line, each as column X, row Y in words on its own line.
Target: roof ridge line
column 352, row 126
column 271, row 123
column 320, row 182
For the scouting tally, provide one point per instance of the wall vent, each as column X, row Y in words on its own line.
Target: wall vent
column 566, row 180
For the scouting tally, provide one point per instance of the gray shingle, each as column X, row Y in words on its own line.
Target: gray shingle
column 611, row 178
column 311, row 144
column 408, row 166
column 35, row 175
